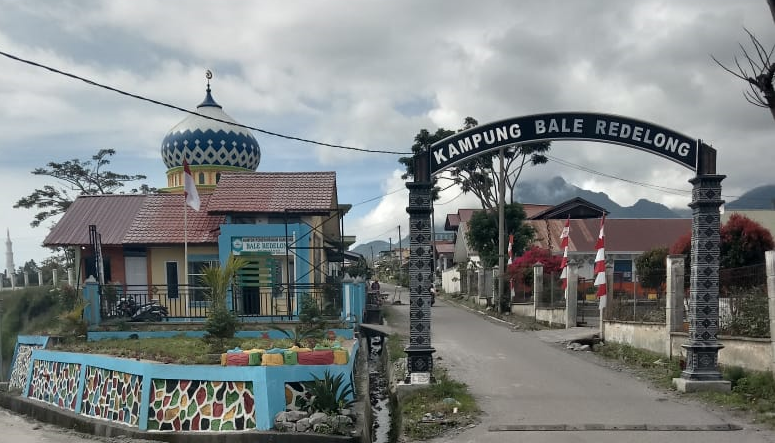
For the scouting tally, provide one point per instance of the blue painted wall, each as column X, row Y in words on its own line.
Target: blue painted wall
column 268, row 381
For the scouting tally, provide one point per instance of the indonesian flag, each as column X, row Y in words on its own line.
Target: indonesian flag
column 511, row 253
column 511, row 260
column 564, row 236
column 600, row 280
column 189, row 188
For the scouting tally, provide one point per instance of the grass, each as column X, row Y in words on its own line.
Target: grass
column 655, row 367
column 439, row 400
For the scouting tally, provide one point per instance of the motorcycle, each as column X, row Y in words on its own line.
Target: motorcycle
column 151, row 311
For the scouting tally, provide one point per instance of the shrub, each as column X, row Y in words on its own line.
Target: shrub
column 330, row 393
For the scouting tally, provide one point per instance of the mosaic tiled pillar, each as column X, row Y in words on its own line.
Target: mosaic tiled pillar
column 703, row 346
column 419, row 352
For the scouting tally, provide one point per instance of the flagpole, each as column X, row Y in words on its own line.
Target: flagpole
column 185, row 251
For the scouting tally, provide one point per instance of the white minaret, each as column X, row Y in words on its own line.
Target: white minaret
column 9, row 266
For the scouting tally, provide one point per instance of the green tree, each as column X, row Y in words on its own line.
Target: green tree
column 479, row 175
column 651, row 267
column 359, row 268
column 482, row 234
column 221, row 323
column 75, row 177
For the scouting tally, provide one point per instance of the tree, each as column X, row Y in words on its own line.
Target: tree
column 743, row 243
column 521, row 269
column 760, row 70
column 359, row 268
column 221, row 323
column 651, row 266
column 76, row 177
column 479, row 175
column 482, row 234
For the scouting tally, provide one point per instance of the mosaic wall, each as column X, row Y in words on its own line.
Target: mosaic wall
column 55, row 382
column 296, row 396
column 112, row 395
column 21, row 366
column 195, row 405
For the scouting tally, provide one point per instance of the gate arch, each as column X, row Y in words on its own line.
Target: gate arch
column 702, row 348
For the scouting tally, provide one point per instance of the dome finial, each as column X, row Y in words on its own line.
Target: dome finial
column 208, row 75
column 209, row 101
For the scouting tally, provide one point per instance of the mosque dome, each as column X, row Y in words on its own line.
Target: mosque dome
column 206, row 142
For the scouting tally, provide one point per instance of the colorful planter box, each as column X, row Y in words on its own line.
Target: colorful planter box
column 316, row 358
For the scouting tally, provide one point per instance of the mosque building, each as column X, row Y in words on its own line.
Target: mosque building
column 286, row 225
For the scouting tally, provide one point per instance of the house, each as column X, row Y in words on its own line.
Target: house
column 286, row 225
column 625, row 239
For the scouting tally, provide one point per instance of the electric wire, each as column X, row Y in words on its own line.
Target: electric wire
column 178, row 108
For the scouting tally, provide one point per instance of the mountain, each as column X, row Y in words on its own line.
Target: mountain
column 375, row 246
column 762, row 197
column 557, row 190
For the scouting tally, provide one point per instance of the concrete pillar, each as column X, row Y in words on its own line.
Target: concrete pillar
column 571, row 294
column 769, row 258
column 40, row 278
column 26, row 279
column 674, row 299
column 55, row 277
column 702, row 372
column 420, row 352
column 538, row 284
column 71, row 277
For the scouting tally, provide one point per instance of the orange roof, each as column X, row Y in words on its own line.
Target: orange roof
column 161, row 221
column 111, row 214
column 274, row 192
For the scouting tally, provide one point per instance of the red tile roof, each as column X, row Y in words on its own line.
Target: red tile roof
column 161, row 221
column 621, row 235
column 274, row 192
column 112, row 214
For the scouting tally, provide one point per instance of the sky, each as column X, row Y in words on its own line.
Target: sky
column 370, row 74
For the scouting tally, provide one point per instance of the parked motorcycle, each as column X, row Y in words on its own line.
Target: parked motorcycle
column 151, row 311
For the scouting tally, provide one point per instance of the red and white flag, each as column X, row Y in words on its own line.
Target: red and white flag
column 189, row 188
column 564, row 240
column 511, row 260
column 600, row 280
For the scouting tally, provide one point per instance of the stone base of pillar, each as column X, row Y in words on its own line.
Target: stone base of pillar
column 419, row 365
column 685, row 385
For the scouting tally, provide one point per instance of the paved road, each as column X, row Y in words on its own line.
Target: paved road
column 18, row 429
column 520, row 378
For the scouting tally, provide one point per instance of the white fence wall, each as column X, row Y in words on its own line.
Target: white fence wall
column 450, row 281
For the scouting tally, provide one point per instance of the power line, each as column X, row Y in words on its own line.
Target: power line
column 178, row 108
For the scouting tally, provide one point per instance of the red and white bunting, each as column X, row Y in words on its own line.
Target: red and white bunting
column 564, row 245
column 600, row 279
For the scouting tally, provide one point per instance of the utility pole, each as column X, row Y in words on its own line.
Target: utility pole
column 400, row 255
column 390, row 253
column 501, row 229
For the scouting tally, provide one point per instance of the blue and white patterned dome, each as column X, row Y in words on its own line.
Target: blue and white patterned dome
column 206, row 142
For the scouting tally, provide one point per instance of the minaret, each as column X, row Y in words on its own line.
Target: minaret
column 9, row 266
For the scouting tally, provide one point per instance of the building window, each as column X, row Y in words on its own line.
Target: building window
column 201, row 178
column 173, row 290
column 197, row 292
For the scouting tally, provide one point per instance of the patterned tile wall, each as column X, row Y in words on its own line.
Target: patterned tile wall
column 21, row 366
column 55, row 382
column 195, row 405
column 296, row 396
column 112, row 395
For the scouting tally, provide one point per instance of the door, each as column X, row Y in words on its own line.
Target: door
column 136, row 273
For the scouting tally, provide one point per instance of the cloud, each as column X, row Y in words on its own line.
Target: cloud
column 371, row 75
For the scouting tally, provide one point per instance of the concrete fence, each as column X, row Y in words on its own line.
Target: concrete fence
column 666, row 338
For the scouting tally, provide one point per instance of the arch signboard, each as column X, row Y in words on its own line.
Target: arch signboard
column 702, row 348
column 606, row 128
